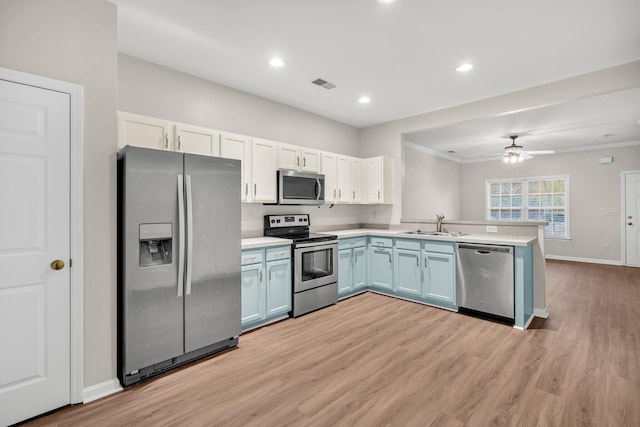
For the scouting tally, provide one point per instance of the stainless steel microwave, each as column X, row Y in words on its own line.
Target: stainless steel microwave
column 300, row 188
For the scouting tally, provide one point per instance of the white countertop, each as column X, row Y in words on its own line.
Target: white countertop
column 262, row 242
column 490, row 239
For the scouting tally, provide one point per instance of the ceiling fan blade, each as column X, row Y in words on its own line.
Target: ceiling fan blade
column 541, row 152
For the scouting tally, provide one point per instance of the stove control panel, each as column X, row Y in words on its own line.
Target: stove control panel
column 281, row 221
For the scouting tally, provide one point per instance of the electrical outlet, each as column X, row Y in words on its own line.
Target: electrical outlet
column 492, row 228
column 605, row 248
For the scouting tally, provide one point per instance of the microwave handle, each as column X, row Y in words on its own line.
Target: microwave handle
column 319, row 189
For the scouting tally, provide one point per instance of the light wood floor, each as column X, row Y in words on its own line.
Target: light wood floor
column 377, row 361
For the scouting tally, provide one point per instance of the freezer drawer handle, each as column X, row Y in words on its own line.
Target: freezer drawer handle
column 189, row 233
column 181, row 239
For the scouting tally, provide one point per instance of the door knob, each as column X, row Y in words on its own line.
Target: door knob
column 629, row 223
column 57, row 264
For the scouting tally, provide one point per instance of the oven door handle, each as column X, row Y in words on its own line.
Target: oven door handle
column 316, row 244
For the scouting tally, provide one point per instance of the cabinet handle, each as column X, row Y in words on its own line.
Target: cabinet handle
column 304, row 161
column 255, row 189
column 378, row 194
column 426, row 264
column 260, row 275
column 417, row 262
column 334, row 193
column 179, row 144
column 354, row 194
column 246, row 188
column 269, row 274
column 340, row 194
column 166, row 141
column 297, row 160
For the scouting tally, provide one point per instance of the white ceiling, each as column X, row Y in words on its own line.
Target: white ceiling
column 402, row 55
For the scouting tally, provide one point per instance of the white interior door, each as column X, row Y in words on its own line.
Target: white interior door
column 632, row 225
column 34, row 230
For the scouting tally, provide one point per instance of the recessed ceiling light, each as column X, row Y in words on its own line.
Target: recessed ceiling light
column 386, row 1
column 364, row 100
column 276, row 62
column 464, row 67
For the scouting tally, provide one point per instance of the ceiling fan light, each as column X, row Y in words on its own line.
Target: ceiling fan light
column 514, row 159
column 520, row 159
column 505, row 159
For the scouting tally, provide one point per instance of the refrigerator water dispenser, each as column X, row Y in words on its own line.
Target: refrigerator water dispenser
column 155, row 244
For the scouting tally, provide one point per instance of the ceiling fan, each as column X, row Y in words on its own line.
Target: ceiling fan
column 515, row 153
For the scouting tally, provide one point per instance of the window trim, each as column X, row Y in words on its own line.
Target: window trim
column 525, row 199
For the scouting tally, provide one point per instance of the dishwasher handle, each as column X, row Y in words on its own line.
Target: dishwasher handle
column 485, row 249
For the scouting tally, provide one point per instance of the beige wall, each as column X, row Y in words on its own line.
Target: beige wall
column 431, row 185
column 387, row 138
column 75, row 41
column 595, row 198
column 152, row 90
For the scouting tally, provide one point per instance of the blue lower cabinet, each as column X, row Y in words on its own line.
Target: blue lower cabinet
column 278, row 287
column 408, row 275
column 439, row 277
column 266, row 285
column 352, row 266
column 345, row 282
column 381, row 267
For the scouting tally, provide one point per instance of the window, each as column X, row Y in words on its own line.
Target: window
column 531, row 199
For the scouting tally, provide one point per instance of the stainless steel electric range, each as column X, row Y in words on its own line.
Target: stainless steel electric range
column 315, row 261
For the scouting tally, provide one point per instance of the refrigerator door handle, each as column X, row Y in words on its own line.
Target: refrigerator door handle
column 189, row 215
column 181, row 235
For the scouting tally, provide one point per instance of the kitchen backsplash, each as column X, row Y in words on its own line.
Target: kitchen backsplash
column 323, row 218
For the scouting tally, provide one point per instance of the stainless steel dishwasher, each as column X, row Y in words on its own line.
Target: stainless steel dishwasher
column 485, row 281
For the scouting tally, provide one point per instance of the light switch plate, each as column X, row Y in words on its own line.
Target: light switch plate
column 492, row 228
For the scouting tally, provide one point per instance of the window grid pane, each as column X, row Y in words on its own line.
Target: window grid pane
column 531, row 199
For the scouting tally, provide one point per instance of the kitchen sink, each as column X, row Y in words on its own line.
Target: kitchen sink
column 434, row 233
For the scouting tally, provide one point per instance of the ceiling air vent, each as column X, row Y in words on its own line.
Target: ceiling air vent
column 323, row 83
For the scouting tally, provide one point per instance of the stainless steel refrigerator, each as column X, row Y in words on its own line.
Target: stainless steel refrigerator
column 178, row 259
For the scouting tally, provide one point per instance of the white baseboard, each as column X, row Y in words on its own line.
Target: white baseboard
column 588, row 260
column 541, row 312
column 97, row 391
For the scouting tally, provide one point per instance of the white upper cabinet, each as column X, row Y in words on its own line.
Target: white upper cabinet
column 377, row 180
column 356, row 180
column 143, row 131
column 238, row 147
column 292, row 157
column 330, row 171
column 264, row 164
column 196, row 140
column 344, row 179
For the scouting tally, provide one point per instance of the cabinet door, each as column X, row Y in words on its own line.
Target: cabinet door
column 238, row 147
column 252, row 294
column 263, row 171
column 344, row 180
column 345, row 282
column 195, row 140
column 288, row 157
column 381, row 267
column 439, row 276
column 407, row 271
column 359, row 267
column 310, row 160
column 373, row 180
column 143, row 131
column 356, row 181
column 279, row 287
column 329, row 170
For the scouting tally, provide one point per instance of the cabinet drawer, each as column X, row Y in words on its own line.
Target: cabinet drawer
column 252, row 256
column 434, row 246
column 278, row 253
column 381, row 242
column 352, row 242
column 411, row 244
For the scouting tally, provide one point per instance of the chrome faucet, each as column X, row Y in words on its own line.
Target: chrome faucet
column 439, row 218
